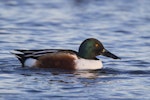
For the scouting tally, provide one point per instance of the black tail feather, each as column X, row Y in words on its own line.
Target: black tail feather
column 21, row 58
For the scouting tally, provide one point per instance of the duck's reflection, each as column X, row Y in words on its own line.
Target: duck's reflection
column 87, row 74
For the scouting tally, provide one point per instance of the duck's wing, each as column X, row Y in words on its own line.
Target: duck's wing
column 22, row 55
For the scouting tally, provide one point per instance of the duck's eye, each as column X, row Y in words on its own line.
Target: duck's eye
column 96, row 45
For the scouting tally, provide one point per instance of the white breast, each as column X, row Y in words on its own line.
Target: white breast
column 85, row 64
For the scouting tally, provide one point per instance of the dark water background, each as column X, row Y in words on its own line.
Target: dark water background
column 122, row 25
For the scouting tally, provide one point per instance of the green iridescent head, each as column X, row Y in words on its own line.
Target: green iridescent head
column 90, row 48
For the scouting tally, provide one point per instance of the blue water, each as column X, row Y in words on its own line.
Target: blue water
column 123, row 26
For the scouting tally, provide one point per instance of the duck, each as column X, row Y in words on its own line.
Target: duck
column 83, row 59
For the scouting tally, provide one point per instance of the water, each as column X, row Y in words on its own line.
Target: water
column 123, row 26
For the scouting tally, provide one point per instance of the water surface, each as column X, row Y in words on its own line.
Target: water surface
column 123, row 26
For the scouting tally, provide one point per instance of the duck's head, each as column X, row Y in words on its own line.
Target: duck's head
column 90, row 48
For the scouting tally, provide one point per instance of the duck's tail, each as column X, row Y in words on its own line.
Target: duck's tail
column 20, row 55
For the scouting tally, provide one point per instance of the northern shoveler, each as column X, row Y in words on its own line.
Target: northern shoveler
column 84, row 59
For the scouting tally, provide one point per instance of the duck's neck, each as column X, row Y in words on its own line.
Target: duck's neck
column 86, row 55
